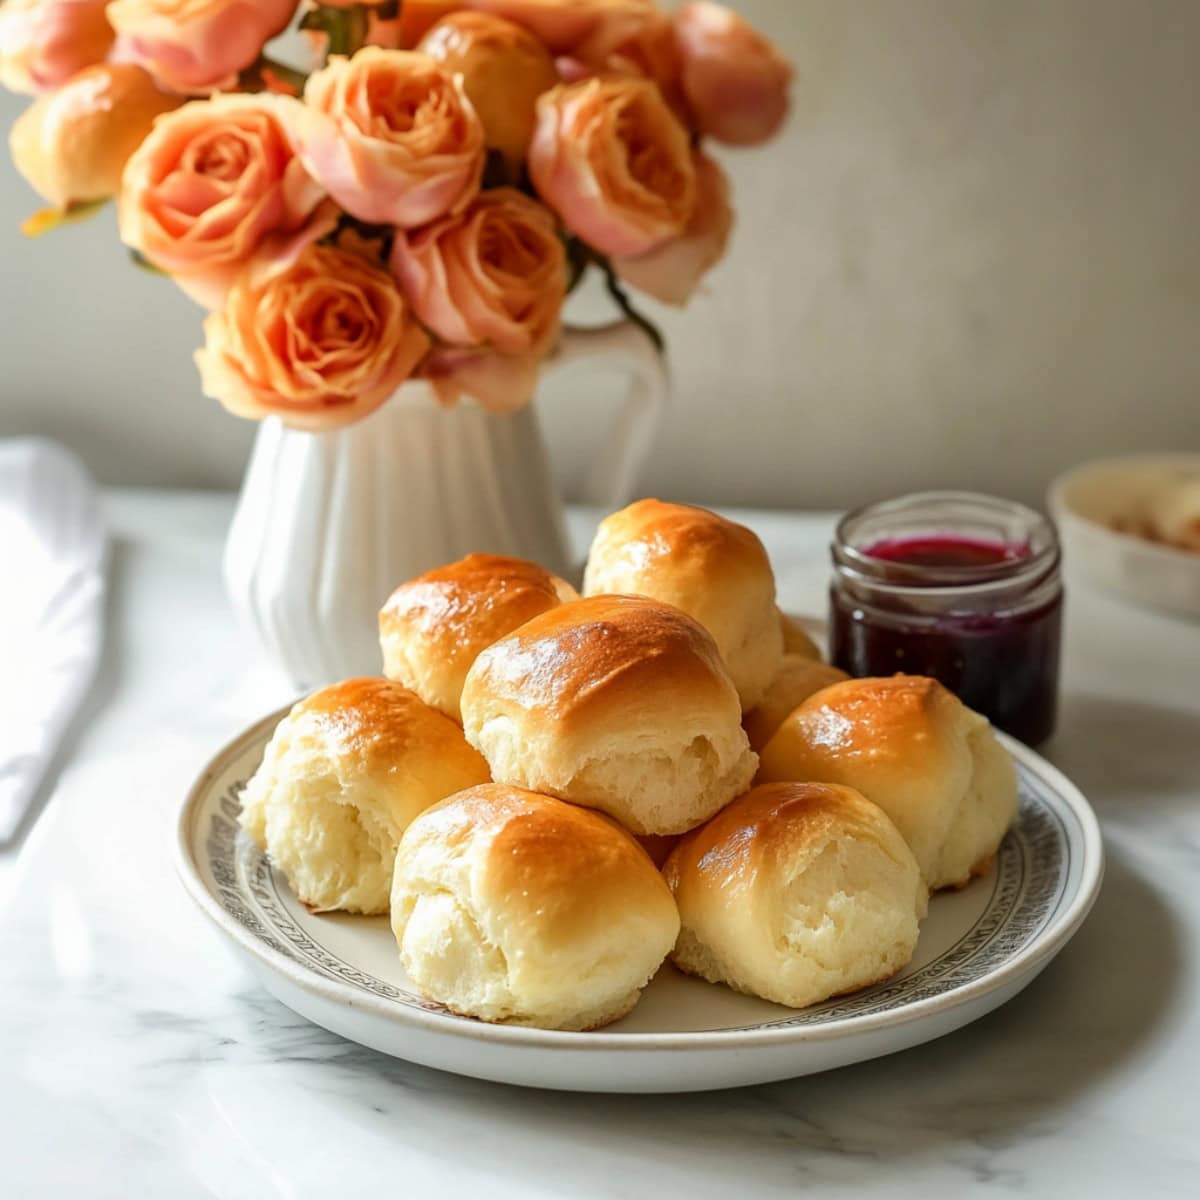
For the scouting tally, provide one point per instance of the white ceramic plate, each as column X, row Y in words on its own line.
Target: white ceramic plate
column 978, row 948
column 1088, row 500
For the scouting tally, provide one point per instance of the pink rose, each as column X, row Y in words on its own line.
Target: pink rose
column 671, row 272
column 590, row 27
column 499, row 382
column 319, row 344
column 613, row 161
column 44, row 42
column 392, row 137
column 495, row 275
column 736, row 82
column 197, row 45
column 216, row 182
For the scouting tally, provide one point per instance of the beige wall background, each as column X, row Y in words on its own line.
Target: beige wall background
column 972, row 260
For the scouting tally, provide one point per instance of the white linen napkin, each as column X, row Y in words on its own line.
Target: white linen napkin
column 51, row 610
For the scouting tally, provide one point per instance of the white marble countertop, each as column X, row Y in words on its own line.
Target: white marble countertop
column 137, row 1059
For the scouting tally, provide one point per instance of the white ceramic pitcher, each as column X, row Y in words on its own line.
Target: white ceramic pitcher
column 328, row 524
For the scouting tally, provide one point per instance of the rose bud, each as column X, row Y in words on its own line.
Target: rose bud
column 614, row 162
column 586, row 27
column 197, row 45
column 44, row 42
column 319, row 344
column 736, row 82
column 72, row 144
column 504, row 70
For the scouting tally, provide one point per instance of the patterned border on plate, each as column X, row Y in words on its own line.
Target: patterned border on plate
column 1029, row 879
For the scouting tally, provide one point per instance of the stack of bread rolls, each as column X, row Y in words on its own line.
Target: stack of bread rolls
column 551, row 794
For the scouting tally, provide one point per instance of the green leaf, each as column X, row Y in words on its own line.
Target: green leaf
column 46, row 219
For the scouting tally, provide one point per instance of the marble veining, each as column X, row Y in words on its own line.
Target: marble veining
column 137, row 1058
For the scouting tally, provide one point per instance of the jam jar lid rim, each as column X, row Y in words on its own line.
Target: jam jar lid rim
column 848, row 558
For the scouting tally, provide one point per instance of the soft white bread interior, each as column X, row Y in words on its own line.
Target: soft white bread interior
column 344, row 773
column 619, row 703
column 519, row 908
column 798, row 678
column 796, row 892
column 934, row 766
column 433, row 627
column 713, row 569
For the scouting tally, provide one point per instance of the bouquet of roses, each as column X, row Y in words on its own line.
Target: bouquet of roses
column 420, row 204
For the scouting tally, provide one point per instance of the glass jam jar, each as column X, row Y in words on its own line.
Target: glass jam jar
column 960, row 586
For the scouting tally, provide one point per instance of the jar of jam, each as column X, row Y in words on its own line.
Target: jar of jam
column 959, row 586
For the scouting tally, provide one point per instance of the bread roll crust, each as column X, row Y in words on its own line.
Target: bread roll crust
column 796, row 892
column 711, row 568
column 912, row 747
column 619, row 703
column 433, row 627
column 343, row 775
column 518, row 908
column 798, row 678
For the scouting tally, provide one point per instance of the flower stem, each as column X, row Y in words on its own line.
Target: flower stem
column 621, row 297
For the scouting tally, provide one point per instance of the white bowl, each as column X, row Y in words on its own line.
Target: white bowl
column 1086, row 501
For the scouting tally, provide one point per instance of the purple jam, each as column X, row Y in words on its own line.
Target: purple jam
column 1001, row 662
column 944, row 550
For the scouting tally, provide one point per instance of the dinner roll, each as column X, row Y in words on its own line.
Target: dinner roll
column 344, row 773
column 712, row 569
column 798, row 677
column 433, row 627
column 796, row 639
column 515, row 907
column 917, row 751
column 796, row 892
column 619, row 703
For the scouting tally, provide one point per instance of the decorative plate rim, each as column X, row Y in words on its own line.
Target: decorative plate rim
column 1029, row 958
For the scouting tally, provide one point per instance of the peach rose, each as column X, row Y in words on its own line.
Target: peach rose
column 735, row 80
column 319, row 344
column 197, row 45
column 614, row 162
column 409, row 26
column 671, row 272
column 589, row 27
column 504, row 70
column 650, row 52
column 72, row 144
column 497, row 274
column 44, row 42
column 215, row 182
column 392, row 137
column 499, row 382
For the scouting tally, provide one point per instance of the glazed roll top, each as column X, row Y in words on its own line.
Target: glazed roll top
column 432, row 628
column 934, row 766
column 796, row 892
column 712, row 569
column 619, row 703
column 798, row 678
column 516, row 907
column 343, row 775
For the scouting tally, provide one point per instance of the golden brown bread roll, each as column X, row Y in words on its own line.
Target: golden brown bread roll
column 917, row 751
column 796, row 639
column 619, row 703
column 344, row 773
column 515, row 907
column 712, row 569
column 797, row 679
column 796, row 892
column 433, row 627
